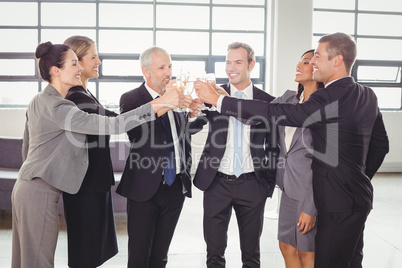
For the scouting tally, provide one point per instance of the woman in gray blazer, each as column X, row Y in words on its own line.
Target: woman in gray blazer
column 296, row 225
column 55, row 153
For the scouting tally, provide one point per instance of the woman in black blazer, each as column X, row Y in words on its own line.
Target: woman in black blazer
column 89, row 213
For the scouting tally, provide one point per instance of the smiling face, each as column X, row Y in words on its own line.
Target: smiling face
column 238, row 69
column 324, row 70
column 90, row 62
column 304, row 71
column 70, row 73
column 159, row 73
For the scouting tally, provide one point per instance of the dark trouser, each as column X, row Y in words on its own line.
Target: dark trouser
column 339, row 239
column 247, row 196
column 151, row 225
column 358, row 256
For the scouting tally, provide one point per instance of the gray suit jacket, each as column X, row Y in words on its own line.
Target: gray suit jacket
column 54, row 145
column 294, row 174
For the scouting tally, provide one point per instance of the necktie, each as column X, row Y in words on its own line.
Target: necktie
column 169, row 174
column 238, row 141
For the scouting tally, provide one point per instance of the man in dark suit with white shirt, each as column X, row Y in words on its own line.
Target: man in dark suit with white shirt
column 156, row 177
column 350, row 143
column 236, row 169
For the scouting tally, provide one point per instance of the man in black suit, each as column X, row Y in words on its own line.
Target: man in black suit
column 231, row 179
column 156, row 176
column 350, row 143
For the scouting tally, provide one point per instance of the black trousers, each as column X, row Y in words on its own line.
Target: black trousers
column 339, row 239
column 151, row 225
column 247, row 196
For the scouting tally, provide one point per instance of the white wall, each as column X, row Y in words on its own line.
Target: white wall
column 393, row 160
column 290, row 35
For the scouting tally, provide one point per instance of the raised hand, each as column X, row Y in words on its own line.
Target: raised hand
column 186, row 101
column 170, row 100
column 221, row 91
column 172, row 97
column 206, row 92
column 195, row 106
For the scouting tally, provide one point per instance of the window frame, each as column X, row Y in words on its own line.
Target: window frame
column 357, row 36
column 209, row 59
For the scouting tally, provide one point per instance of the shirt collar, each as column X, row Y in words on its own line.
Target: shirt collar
column 301, row 97
column 152, row 92
column 247, row 92
column 335, row 81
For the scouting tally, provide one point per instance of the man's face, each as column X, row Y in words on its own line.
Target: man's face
column 323, row 67
column 237, row 68
column 159, row 73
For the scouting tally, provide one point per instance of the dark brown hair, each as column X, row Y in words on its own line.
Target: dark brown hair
column 300, row 87
column 50, row 55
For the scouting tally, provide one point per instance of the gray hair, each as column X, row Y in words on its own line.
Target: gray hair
column 146, row 56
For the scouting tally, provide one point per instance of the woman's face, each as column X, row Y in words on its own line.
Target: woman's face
column 90, row 63
column 70, row 73
column 304, row 71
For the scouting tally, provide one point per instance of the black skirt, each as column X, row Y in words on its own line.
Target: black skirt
column 91, row 231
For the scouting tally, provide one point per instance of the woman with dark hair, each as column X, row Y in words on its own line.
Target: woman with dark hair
column 297, row 213
column 89, row 214
column 55, row 153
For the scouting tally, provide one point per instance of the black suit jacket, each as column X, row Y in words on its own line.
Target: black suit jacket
column 264, row 146
column 349, row 138
column 142, row 174
column 99, row 176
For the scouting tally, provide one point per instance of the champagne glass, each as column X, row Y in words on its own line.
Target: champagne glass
column 201, row 77
column 181, row 82
column 210, row 77
column 188, row 87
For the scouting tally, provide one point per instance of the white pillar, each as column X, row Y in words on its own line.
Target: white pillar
column 290, row 23
column 291, row 32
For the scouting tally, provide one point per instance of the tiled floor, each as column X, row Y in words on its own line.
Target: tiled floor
column 383, row 236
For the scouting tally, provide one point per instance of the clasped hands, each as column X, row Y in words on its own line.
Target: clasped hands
column 172, row 99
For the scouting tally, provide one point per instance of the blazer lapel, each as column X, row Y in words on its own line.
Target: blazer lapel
column 224, row 118
column 256, row 96
column 145, row 94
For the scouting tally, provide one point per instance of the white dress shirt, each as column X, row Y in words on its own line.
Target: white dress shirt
column 227, row 162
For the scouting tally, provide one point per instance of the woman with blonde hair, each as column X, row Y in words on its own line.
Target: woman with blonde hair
column 89, row 214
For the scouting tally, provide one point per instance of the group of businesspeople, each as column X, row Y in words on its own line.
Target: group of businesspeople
column 321, row 144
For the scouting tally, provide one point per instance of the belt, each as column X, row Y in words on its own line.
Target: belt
column 233, row 177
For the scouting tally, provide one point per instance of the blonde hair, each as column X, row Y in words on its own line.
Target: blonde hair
column 79, row 44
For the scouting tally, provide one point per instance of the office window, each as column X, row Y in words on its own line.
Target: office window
column 375, row 26
column 196, row 34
